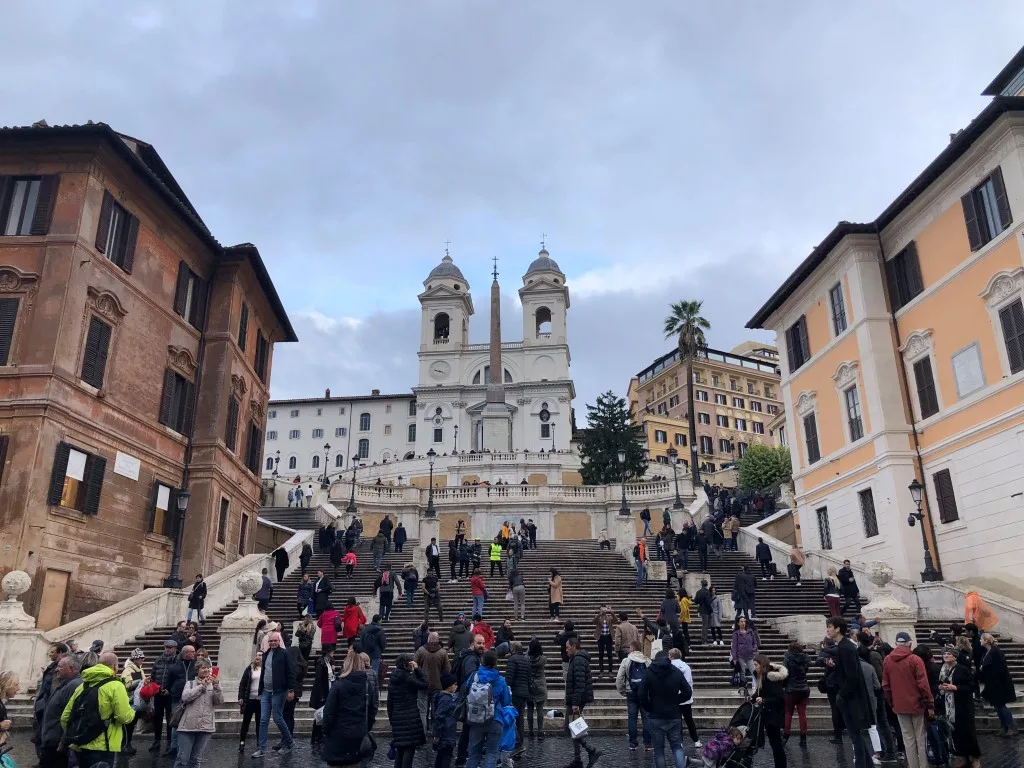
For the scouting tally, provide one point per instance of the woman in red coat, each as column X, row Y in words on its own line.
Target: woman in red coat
column 352, row 620
column 329, row 622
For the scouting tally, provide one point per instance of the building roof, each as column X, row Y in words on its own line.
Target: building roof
column 959, row 145
column 754, row 364
column 145, row 160
column 447, row 268
column 333, row 399
column 543, row 263
column 1006, row 74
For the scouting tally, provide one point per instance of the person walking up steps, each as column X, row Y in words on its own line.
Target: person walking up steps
column 624, row 634
column 686, row 705
column 518, row 587
column 478, row 588
column 538, row 687
column 632, row 669
column 640, row 556
column 763, row 553
column 717, row 616
column 604, row 627
column 579, row 692
column 704, row 610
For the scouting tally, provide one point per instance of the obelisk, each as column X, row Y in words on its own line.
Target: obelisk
column 497, row 419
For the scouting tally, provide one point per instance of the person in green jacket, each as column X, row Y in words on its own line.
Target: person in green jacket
column 114, row 708
column 496, row 557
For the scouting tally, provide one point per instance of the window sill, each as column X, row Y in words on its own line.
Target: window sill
column 218, row 547
column 159, row 538
column 956, row 525
column 873, row 544
column 69, row 512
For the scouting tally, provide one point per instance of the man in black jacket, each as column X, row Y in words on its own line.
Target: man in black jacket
column 65, row 681
column 705, row 609
column 852, row 699
column 46, row 684
column 433, row 558
column 197, row 599
column 579, row 691
column 662, row 690
column 763, row 553
column 162, row 701
column 179, row 672
column 277, row 685
column 517, row 675
column 851, row 592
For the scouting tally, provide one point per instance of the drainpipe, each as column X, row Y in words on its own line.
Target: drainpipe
column 934, row 543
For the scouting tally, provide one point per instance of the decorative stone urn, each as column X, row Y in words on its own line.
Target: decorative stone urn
column 249, row 584
column 12, row 613
column 892, row 615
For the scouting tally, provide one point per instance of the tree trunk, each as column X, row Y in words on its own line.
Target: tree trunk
column 692, row 418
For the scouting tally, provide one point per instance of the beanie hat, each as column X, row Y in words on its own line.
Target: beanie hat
column 138, row 653
column 448, row 680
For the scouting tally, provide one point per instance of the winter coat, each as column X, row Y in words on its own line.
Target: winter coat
column 484, row 629
column 374, row 640
column 377, row 544
column 853, row 691
column 162, row 669
column 515, row 579
column 265, row 592
column 51, row 731
column 444, row 726
column 517, row 673
column 328, row 634
column 995, row 676
column 197, row 597
column 132, row 676
column 831, row 588
column 351, row 704
column 504, row 635
column 623, row 634
column 555, row 588
column 304, row 636
column 716, row 611
column 352, row 620
column 538, row 679
column 433, row 660
column 410, row 580
column 659, row 691
column 337, row 552
column 401, row 536
column 459, row 639
column 561, row 639
column 200, row 701
column 280, row 558
column 849, row 582
column 283, row 668
column 622, row 676
column 304, row 594
column 772, row 692
column 115, row 709
column 389, row 585
column 468, row 663
column 763, row 553
column 403, row 712
column 796, row 665
column 306, row 555
column 245, row 684
column 744, row 645
column 323, row 679
column 703, row 601
column 419, row 637
column 579, row 685
column 323, row 596
column 179, row 673
column 477, row 586
column 670, row 610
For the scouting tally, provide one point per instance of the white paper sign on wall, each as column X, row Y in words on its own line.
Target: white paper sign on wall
column 127, row 466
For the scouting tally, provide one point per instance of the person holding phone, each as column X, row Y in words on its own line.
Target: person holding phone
column 198, row 721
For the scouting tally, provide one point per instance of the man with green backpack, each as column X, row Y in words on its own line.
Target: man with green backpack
column 95, row 717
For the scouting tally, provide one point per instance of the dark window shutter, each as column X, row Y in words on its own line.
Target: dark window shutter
column 128, row 261
column 971, row 219
column 60, row 471
column 926, row 395
column 199, row 298
column 6, row 187
column 1011, row 318
column 231, row 436
column 190, row 407
column 811, row 435
column 181, row 292
column 44, row 205
column 945, row 498
column 97, row 345
column 912, row 271
column 95, row 467
column 8, row 319
column 1002, row 201
column 805, row 342
column 4, row 440
column 103, row 230
column 791, row 349
column 167, row 398
column 243, row 326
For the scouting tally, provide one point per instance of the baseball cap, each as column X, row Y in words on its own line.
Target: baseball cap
column 902, row 638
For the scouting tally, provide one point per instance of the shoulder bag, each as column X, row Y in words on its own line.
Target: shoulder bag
column 368, row 746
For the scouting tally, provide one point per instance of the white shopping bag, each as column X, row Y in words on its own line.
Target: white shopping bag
column 657, row 646
column 578, row 728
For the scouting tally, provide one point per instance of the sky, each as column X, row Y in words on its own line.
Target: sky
column 667, row 150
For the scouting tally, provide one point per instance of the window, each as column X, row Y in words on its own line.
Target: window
column 768, row 391
column 986, row 210
column 117, row 234
column 673, row 401
column 293, row 463
column 94, row 359
column 387, row 429
column 738, row 402
column 741, row 448
column 222, row 523
column 773, row 410
column 26, row 204
column 755, row 406
column 411, row 438
column 824, row 530
column 903, row 273
column 270, row 462
column 944, row 497
column 294, row 413
column 319, row 411
column 190, row 297
column 412, row 407
column 243, row 329
column 231, row 431
column 318, row 433
column 364, row 422
column 387, row 408
column 927, row 398
column 243, row 533
column 724, row 446
column 722, row 421
column 703, row 418
column 797, row 345
column 782, row 435
column 662, row 459
column 271, row 414
column 545, row 431
column 680, row 439
column 339, row 461
column 867, row 513
column 262, row 356
column 364, row 449
column 660, row 436
column 702, row 395
column 721, row 399
column 662, row 409
column 161, row 514
column 751, row 389
column 715, row 381
column 294, row 434
column 341, row 411
column 811, row 438
column 705, row 444
column 77, row 480
column 838, row 304
column 1011, row 318
column 439, row 435
column 734, row 385
column 709, row 467
column 316, row 461
column 741, row 425
column 177, row 402
column 757, row 427
column 254, row 448
column 853, row 415
column 340, row 431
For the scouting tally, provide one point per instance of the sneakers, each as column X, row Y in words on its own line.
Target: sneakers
column 284, row 749
column 241, row 747
column 697, row 744
column 258, row 753
column 155, row 747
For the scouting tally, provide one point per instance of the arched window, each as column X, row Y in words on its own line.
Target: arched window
column 484, row 376
column 293, row 462
column 364, row 449
column 364, row 422
column 412, row 433
column 508, row 377
column 316, row 462
column 441, row 324
column 410, row 455
column 270, row 463
column 543, row 322
column 339, row 461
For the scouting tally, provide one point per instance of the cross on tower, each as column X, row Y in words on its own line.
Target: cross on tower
column 543, row 237
column 446, row 244
column 495, row 260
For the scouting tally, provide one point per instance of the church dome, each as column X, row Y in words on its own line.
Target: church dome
column 544, row 263
column 446, row 268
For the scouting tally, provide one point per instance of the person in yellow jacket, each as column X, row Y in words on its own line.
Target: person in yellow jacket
column 114, row 709
column 685, row 603
column 496, row 557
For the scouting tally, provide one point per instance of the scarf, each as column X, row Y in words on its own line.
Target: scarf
column 946, row 676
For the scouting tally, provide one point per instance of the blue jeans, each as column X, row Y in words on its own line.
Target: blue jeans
column 191, row 748
column 199, row 611
column 378, row 558
column 671, row 730
column 481, row 736
column 647, row 527
column 478, row 604
column 273, row 704
column 641, row 573
column 1005, row 718
column 633, row 709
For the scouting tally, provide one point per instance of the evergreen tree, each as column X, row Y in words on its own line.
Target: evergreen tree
column 763, row 466
column 609, row 430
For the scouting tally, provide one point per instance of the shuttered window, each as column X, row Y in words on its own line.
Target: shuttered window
column 944, row 496
column 1011, row 318
column 190, row 296
column 927, row 397
column 26, row 204
column 903, row 273
column 853, row 414
column 986, row 210
column 94, row 358
column 262, row 356
column 177, row 402
column 231, row 433
column 8, row 319
column 811, row 438
column 836, row 299
column 222, row 523
column 254, row 448
column 163, row 507
column 243, row 533
column 797, row 344
column 76, row 481
column 243, row 326
column 117, row 233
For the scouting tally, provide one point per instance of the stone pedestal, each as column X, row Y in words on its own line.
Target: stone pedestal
column 657, row 570
column 692, row 580
column 22, row 646
column 892, row 616
column 623, row 530
column 808, row 629
column 429, row 528
column 236, row 633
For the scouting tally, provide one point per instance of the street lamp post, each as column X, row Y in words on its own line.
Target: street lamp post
column 174, row 580
column 352, row 499
column 273, row 478
column 552, row 437
column 624, row 509
column 456, row 448
column 673, row 456
column 917, row 493
column 431, row 512
column 325, row 485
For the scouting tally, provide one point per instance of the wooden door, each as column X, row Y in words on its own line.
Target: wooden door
column 51, row 605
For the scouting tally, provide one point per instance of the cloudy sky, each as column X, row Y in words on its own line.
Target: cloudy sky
column 670, row 149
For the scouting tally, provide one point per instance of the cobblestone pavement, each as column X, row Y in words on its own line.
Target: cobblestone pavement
column 557, row 752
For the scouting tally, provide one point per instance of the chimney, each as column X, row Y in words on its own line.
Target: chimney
column 327, row 394
column 375, row 392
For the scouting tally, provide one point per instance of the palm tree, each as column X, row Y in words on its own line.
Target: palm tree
column 686, row 322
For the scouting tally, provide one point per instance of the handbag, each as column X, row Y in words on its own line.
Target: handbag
column 822, row 687
column 176, row 715
column 368, row 746
column 508, row 595
column 657, row 646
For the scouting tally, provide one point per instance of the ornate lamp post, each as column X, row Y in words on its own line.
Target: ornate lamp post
column 325, row 485
column 624, row 509
column 352, row 499
column 174, row 580
column 673, row 456
column 456, row 448
column 431, row 512
column 399, row 481
column 552, row 436
column 917, row 493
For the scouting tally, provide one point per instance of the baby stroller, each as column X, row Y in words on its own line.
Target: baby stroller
column 747, row 719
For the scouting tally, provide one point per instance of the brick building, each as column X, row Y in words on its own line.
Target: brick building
column 135, row 357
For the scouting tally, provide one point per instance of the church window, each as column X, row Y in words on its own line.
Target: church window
column 437, row 411
column 441, row 326
column 508, row 377
column 339, row 461
column 543, row 322
column 439, row 435
column 364, row 422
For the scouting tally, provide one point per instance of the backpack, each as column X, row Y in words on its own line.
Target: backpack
column 479, row 702
column 635, row 676
column 85, row 724
column 636, row 551
column 385, row 578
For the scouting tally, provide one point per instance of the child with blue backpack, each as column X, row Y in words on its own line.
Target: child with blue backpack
column 445, row 722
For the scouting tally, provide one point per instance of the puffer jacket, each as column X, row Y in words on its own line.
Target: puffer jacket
column 161, row 674
column 517, row 674
column 796, row 665
column 444, row 725
column 374, row 640
column 115, row 709
column 403, row 711
column 459, row 638
column 772, row 692
column 538, row 680
column 579, row 685
column 200, row 702
column 744, row 645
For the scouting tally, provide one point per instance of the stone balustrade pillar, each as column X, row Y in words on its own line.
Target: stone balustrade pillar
column 22, row 646
column 236, row 633
column 623, row 530
column 892, row 615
